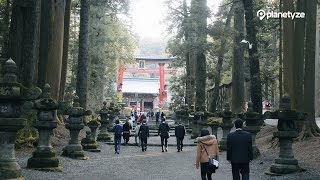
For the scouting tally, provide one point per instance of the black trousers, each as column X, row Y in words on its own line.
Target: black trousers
column 126, row 137
column 205, row 171
column 240, row 168
column 179, row 143
column 164, row 141
column 144, row 142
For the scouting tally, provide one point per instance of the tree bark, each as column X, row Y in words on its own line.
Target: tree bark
column 256, row 96
column 317, row 69
column 5, row 33
column 199, row 13
column 280, row 53
column 238, row 56
column 65, row 49
column 288, row 45
column 55, row 53
column 83, row 56
column 188, row 99
column 24, row 38
column 46, row 38
column 298, row 64
column 310, row 127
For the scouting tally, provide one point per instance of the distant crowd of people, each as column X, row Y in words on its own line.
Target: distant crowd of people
column 239, row 145
column 141, row 131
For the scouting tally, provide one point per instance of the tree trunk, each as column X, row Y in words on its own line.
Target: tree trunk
column 24, row 38
column 186, row 30
column 310, row 127
column 317, row 69
column 55, row 52
column 199, row 13
column 298, row 64
column 256, row 96
column 83, row 56
column 288, row 45
column 238, row 56
column 217, row 76
column 46, row 38
column 5, row 33
column 65, row 49
column 280, row 53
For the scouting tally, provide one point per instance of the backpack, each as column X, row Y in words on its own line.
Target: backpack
column 118, row 131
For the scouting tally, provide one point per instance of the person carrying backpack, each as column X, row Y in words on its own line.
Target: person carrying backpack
column 117, row 129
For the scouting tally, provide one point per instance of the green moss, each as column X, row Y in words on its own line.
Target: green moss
column 93, row 123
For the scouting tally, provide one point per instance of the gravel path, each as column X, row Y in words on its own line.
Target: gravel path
column 152, row 165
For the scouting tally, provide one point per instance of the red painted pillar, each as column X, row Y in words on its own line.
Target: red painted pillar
column 120, row 77
column 161, row 90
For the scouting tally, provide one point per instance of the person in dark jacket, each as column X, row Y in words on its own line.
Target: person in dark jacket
column 126, row 132
column 144, row 134
column 157, row 118
column 163, row 131
column 163, row 116
column 239, row 151
column 117, row 129
column 179, row 132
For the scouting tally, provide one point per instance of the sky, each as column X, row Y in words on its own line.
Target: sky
column 148, row 14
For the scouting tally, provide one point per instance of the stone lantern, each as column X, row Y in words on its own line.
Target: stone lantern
column 12, row 97
column 75, row 124
column 44, row 157
column 287, row 130
column 253, row 124
column 89, row 143
column 104, row 135
column 227, row 124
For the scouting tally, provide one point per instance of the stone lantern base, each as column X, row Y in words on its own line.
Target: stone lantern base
column 104, row 137
column 44, row 160
column 9, row 167
column 74, row 151
column 90, row 145
column 285, row 163
column 223, row 142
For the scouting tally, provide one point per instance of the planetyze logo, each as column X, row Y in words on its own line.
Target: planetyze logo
column 262, row 14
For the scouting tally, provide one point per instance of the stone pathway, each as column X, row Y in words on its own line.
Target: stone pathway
column 131, row 163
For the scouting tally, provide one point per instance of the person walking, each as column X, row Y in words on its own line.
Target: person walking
column 157, row 118
column 126, row 132
column 179, row 132
column 239, row 151
column 163, row 131
column 163, row 116
column 207, row 145
column 144, row 135
column 136, row 134
column 117, row 129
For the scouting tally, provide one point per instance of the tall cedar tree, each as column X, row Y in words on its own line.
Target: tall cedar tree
column 55, row 52
column 24, row 38
column 199, row 12
column 256, row 94
column 298, row 64
column 238, row 56
column 288, row 45
column 66, row 37
column 310, row 128
column 83, row 56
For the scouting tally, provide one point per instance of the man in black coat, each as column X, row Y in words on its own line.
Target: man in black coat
column 239, row 151
column 144, row 134
column 163, row 131
column 180, row 132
